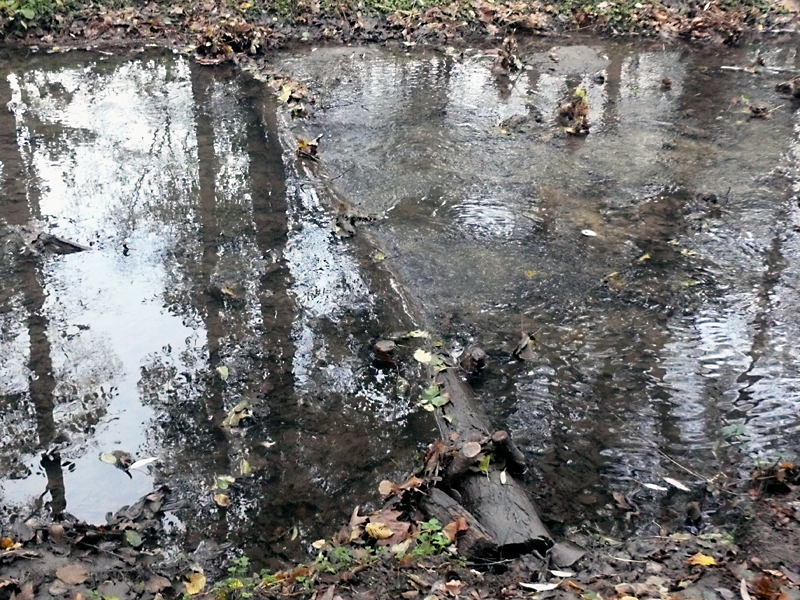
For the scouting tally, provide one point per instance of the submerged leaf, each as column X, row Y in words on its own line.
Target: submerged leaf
column 223, row 372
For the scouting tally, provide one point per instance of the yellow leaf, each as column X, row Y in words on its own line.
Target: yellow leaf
column 379, row 531
column 644, row 257
column 6, row 543
column 702, row 559
column 222, row 500
column 424, row 357
column 195, row 583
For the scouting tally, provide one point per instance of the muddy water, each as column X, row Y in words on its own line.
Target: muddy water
column 671, row 332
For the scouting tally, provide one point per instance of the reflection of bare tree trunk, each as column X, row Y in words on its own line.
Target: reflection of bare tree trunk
column 208, row 302
column 14, row 206
column 613, row 78
column 268, row 183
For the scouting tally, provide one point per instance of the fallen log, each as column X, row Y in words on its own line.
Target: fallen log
column 496, row 499
column 475, row 542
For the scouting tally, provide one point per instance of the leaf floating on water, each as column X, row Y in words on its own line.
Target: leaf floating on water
column 319, row 544
column 418, row 333
column 285, row 93
column 223, row 372
column 503, row 477
column 245, row 468
column 677, row 484
column 222, row 500
column 143, row 462
column 524, row 348
column 588, row 233
column 108, row 458
column 224, row 481
column 133, row 538
column 195, row 583
column 703, row 560
column 422, row 356
column 73, row 574
column 237, row 414
column 653, row 486
column 378, row 531
column 644, row 257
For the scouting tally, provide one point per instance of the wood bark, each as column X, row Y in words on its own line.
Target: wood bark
column 474, row 543
column 503, row 509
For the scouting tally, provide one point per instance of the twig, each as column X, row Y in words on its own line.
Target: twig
column 628, row 560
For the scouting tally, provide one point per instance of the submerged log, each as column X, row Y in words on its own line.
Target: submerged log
column 496, row 500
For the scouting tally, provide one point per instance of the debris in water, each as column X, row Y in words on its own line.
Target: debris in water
column 573, row 115
column 588, row 233
column 666, row 83
column 308, row 149
column 524, row 348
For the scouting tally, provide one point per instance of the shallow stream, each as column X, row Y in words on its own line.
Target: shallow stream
column 666, row 341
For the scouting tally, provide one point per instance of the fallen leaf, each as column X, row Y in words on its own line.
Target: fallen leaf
column 483, row 465
column 454, row 587
column 245, row 468
column 73, row 574
column 222, row 500
column 422, row 356
column 195, row 583
column 224, row 481
column 702, row 559
column 319, row 544
column 387, row 488
column 743, row 590
column 378, row 531
column 26, row 593
column 653, row 486
column 563, row 573
column 6, row 543
column 156, row 583
column 451, row 530
column 390, row 519
column 503, row 477
column 109, row 458
column 677, row 484
column 143, row 462
column 418, row 333
column 356, row 520
column 539, row 587
column 237, row 414
column 223, row 372
column 133, row 538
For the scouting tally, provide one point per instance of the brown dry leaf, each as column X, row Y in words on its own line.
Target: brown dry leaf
column 451, row 530
column 6, row 543
column 356, row 520
column 157, row 583
column 401, row 530
column 454, row 587
column 387, row 488
column 702, row 560
column 26, row 593
column 73, row 574
column 195, row 583
column 222, row 500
